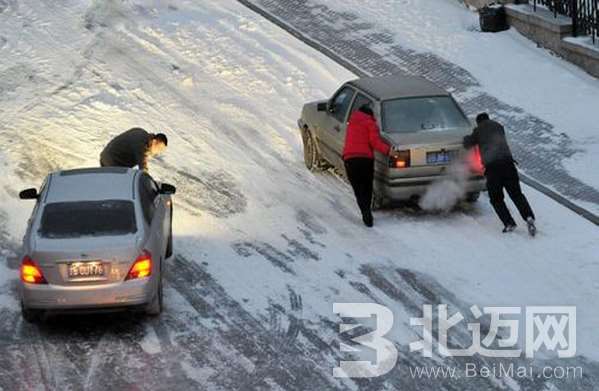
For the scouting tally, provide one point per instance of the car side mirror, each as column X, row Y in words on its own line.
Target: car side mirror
column 165, row 188
column 322, row 106
column 29, row 194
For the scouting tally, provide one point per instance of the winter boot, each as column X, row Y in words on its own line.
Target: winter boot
column 368, row 219
column 509, row 228
column 532, row 228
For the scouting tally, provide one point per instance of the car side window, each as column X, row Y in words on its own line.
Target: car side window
column 341, row 103
column 148, row 193
column 360, row 101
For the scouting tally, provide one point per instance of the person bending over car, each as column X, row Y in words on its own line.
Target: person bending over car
column 133, row 148
column 361, row 139
column 501, row 172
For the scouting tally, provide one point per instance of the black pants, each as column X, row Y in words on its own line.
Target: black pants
column 360, row 172
column 505, row 175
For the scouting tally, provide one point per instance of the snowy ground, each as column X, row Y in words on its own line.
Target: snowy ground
column 263, row 247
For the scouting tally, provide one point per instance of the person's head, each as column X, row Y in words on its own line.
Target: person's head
column 366, row 109
column 158, row 144
column 481, row 118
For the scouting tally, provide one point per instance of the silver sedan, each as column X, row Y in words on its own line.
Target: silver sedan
column 97, row 240
column 422, row 121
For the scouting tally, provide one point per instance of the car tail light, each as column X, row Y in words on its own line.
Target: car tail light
column 31, row 273
column 475, row 161
column 401, row 159
column 142, row 267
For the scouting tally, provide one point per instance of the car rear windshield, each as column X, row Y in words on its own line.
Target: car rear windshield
column 88, row 218
column 422, row 114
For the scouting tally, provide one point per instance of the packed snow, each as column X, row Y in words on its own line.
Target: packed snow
column 263, row 246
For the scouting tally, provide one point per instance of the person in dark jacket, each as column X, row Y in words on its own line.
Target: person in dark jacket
column 133, row 148
column 361, row 140
column 500, row 171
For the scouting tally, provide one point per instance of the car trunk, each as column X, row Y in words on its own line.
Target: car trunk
column 86, row 260
column 429, row 151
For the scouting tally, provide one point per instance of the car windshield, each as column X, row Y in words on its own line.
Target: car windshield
column 422, row 114
column 88, row 218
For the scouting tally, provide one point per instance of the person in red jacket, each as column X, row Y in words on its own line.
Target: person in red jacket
column 361, row 140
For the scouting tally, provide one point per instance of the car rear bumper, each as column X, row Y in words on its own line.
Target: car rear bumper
column 88, row 297
column 407, row 188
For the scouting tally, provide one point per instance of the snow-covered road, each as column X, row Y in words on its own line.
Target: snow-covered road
column 263, row 247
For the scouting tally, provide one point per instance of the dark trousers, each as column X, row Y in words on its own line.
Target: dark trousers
column 360, row 172
column 504, row 175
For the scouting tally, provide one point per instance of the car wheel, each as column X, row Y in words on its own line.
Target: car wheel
column 155, row 306
column 312, row 157
column 377, row 202
column 169, row 244
column 473, row 197
column 31, row 315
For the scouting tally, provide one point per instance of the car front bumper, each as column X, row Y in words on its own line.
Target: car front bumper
column 100, row 296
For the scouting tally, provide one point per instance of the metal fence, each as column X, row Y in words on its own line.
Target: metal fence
column 584, row 14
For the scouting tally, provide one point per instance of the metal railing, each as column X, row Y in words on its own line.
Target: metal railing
column 584, row 14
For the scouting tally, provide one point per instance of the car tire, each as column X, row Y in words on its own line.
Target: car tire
column 155, row 306
column 169, row 244
column 378, row 202
column 31, row 315
column 312, row 157
column 473, row 197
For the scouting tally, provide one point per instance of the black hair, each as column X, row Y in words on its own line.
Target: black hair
column 482, row 117
column 162, row 138
column 366, row 109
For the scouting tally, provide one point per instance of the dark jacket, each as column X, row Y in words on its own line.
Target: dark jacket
column 490, row 137
column 128, row 149
column 363, row 137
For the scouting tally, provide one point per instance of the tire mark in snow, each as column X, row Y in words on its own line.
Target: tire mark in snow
column 294, row 318
column 310, row 227
column 254, row 337
column 297, row 249
column 268, row 252
column 215, row 192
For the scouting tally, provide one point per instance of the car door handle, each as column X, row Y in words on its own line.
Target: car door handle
column 337, row 128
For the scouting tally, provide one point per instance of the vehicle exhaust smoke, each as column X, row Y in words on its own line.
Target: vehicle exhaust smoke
column 449, row 190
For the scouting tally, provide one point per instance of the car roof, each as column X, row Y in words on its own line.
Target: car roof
column 398, row 86
column 91, row 184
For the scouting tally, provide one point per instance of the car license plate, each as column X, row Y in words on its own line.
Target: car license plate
column 439, row 157
column 93, row 269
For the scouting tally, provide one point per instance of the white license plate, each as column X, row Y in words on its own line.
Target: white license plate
column 93, row 269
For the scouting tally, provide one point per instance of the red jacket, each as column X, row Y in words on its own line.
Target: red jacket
column 363, row 137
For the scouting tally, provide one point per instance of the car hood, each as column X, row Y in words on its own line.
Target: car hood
column 427, row 138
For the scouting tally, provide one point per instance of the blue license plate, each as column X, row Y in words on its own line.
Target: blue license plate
column 438, row 157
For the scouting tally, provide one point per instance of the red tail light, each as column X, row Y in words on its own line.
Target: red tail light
column 31, row 273
column 475, row 161
column 142, row 267
column 401, row 159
